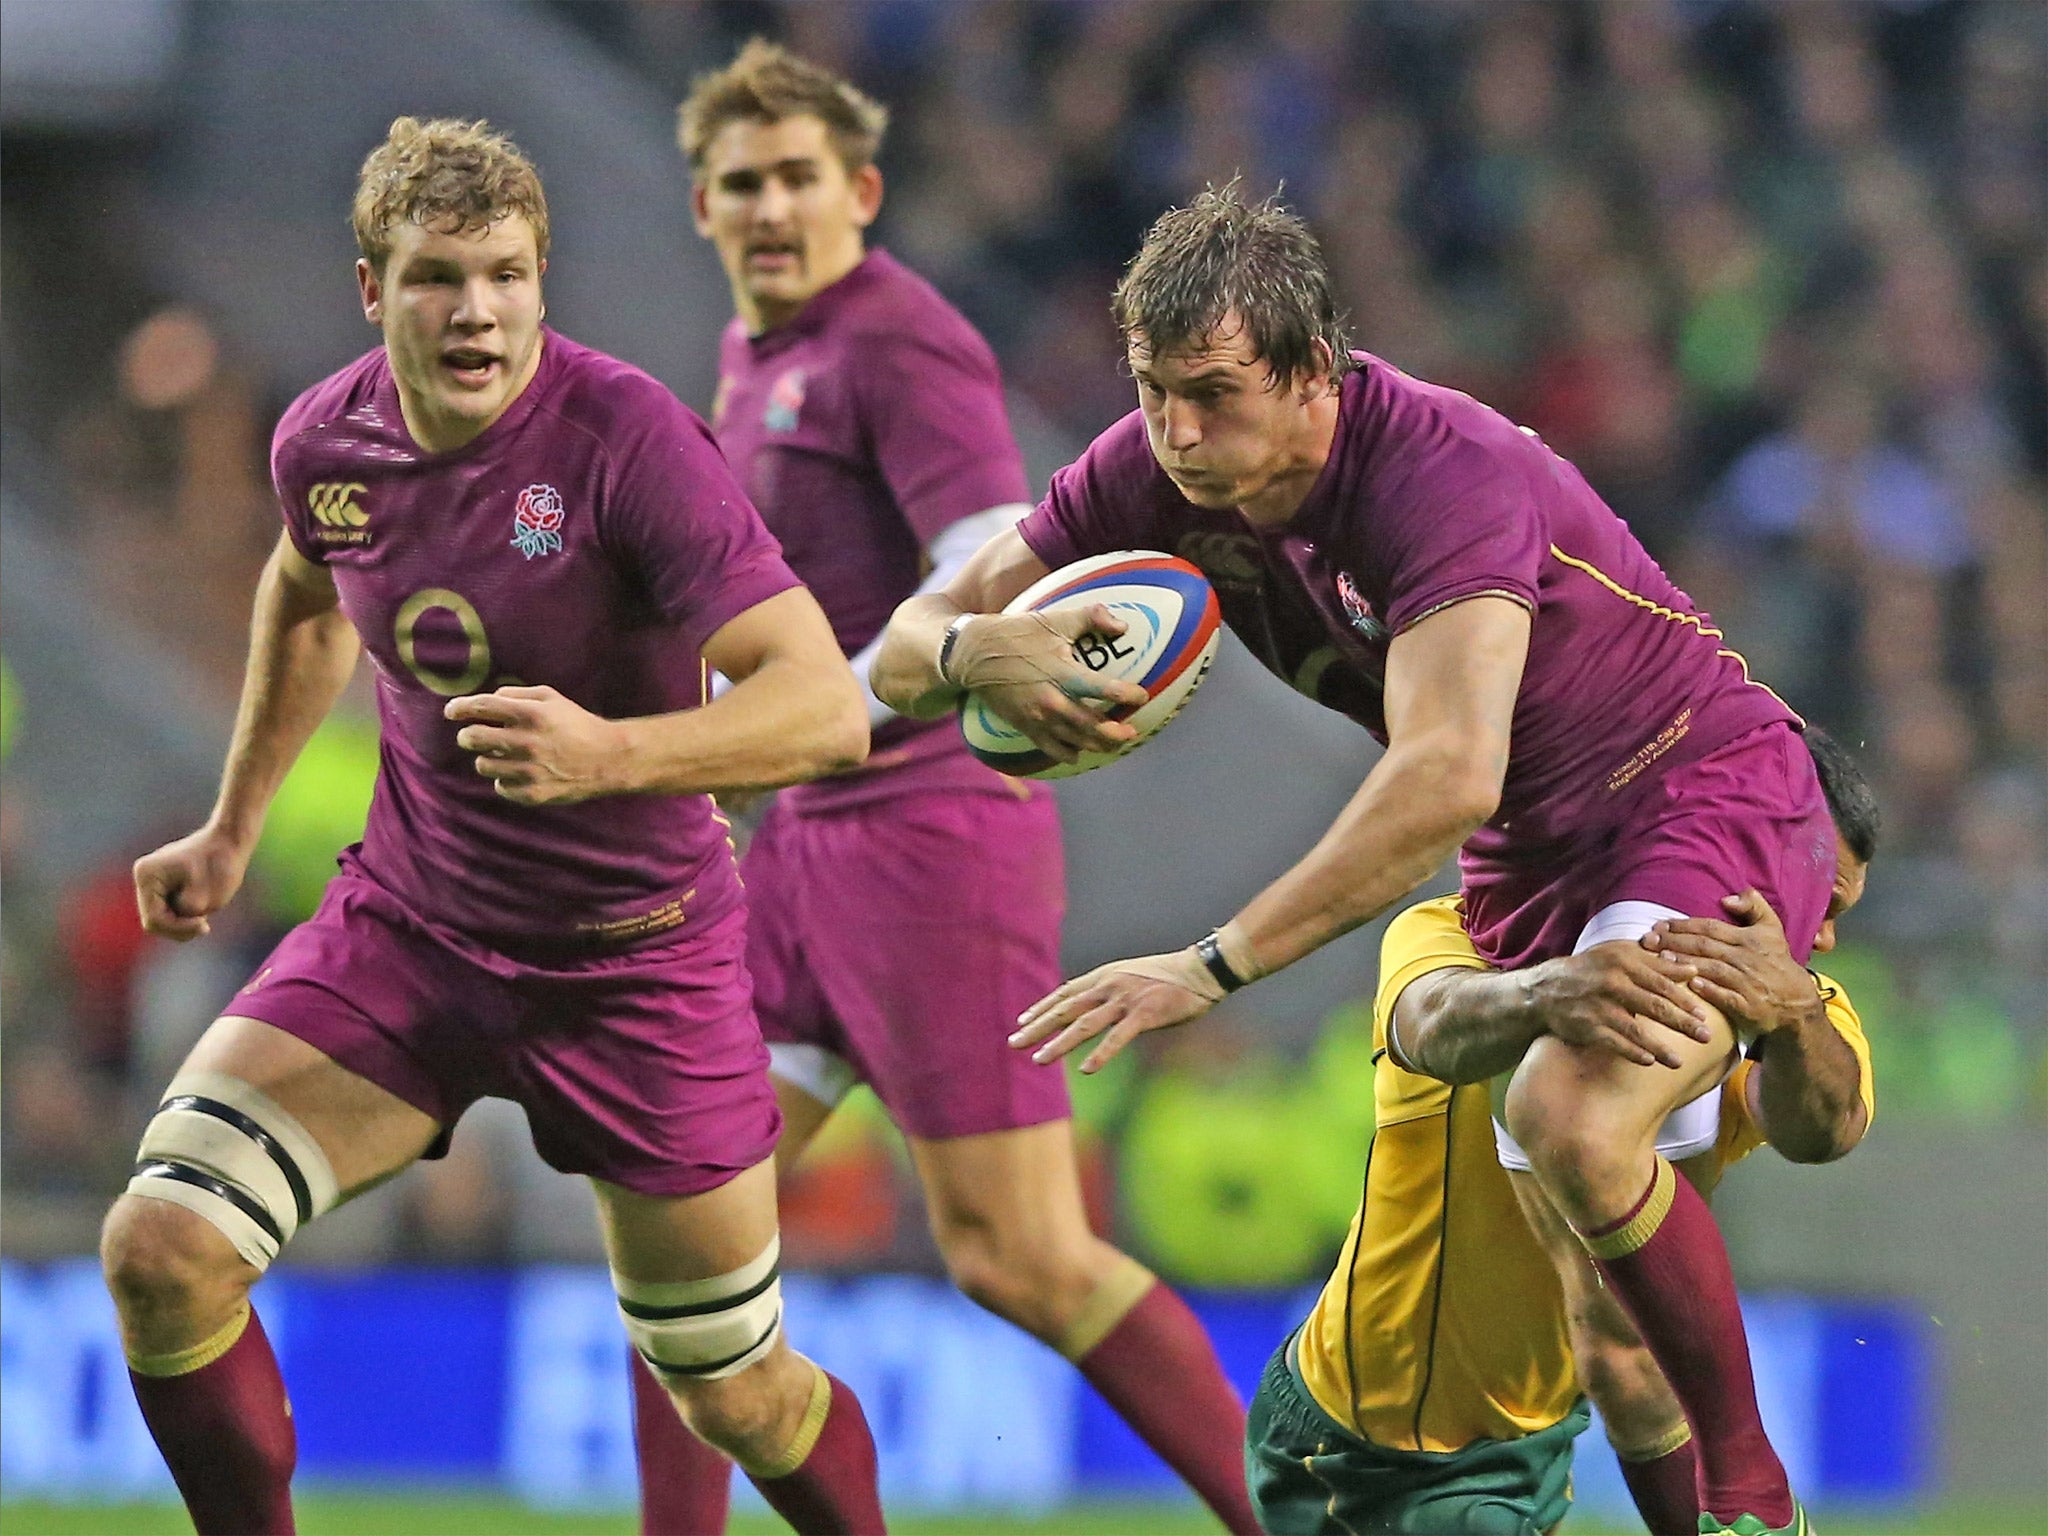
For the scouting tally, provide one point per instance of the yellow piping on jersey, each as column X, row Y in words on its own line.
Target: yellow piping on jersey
column 1675, row 617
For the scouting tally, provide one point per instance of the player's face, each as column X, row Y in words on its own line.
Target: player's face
column 786, row 218
column 1225, row 434
column 1850, row 873
column 461, row 318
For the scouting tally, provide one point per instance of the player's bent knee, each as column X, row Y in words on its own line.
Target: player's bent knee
column 1021, row 1288
column 225, row 1153
column 160, row 1258
column 695, row 1331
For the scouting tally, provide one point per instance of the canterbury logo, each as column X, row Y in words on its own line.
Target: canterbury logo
column 334, row 503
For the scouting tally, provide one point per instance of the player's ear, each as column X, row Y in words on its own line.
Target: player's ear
column 1321, row 379
column 867, row 194
column 371, row 286
column 700, row 210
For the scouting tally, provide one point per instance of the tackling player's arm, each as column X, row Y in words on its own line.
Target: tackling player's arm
column 1460, row 1025
column 302, row 650
column 1451, row 684
column 794, row 712
column 1806, row 1090
column 940, row 644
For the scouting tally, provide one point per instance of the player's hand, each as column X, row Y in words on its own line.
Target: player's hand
column 1025, row 668
column 182, row 884
column 1623, row 1000
column 1745, row 967
column 538, row 747
column 1126, row 998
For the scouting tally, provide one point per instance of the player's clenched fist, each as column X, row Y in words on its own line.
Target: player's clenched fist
column 1023, row 666
column 1126, row 998
column 538, row 747
column 182, row 884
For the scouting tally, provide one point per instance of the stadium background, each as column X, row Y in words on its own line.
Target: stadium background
column 1774, row 275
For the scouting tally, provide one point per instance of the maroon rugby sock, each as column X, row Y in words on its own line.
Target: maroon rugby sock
column 832, row 1491
column 1666, row 1490
column 1666, row 1264
column 685, row 1485
column 1158, row 1370
column 225, row 1430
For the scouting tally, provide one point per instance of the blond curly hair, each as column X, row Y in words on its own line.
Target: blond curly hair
column 447, row 175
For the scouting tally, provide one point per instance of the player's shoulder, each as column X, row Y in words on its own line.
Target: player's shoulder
column 340, row 398
column 617, row 404
column 1413, row 427
column 1435, row 918
column 897, row 308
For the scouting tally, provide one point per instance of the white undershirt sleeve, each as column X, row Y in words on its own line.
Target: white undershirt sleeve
column 956, row 544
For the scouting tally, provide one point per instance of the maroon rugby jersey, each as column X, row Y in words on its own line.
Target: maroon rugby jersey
column 590, row 539
column 862, row 428
column 1428, row 498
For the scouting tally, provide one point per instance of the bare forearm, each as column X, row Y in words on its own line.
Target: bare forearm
column 906, row 675
column 1468, row 1026
column 1808, row 1090
column 786, row 723
column 1412, row 813
column 301, row 655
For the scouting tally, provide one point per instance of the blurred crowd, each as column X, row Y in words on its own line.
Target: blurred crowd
column 1775, row 276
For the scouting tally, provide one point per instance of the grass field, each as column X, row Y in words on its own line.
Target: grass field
column 470, row 1516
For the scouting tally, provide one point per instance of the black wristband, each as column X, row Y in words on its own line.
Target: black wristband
column 1210, row 952
column 951, row 639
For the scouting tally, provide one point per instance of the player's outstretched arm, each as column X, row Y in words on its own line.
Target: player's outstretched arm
column 302, row 649
column 1450, row 700
column 1460, row 1025
column 940, row 644
column 1806, row 1093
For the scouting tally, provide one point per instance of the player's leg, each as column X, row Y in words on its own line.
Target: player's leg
column 1588, row 1125
column 699, row 1287
column 1645, row 1423
column 1007, row 1213
column 685, row 1482
column 258, row 1133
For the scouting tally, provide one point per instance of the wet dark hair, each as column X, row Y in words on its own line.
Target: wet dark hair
column 1222, row 255
column 1850, row 799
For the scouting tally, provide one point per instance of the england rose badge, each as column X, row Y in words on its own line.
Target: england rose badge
column 537, row 521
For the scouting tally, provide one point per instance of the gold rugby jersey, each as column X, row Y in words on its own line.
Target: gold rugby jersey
column 1444, row 1321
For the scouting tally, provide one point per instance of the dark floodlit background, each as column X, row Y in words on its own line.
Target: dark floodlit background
column 1775, row 276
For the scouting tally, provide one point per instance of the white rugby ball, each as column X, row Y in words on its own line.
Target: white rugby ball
column 1173, row 626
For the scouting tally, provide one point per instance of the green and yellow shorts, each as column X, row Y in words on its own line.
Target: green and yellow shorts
column 1309, row 1476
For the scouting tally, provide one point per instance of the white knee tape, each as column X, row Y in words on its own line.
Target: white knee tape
column 229, row 1155
column 704, row 1330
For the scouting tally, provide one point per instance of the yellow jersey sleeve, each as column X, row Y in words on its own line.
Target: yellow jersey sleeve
column 1740, row 1134
column 1429, row 936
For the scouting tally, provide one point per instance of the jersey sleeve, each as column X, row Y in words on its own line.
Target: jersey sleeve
column 1465, row 524
column 1740, row 1133
column 1429, row 936
column 289, row 483
column 677, row 518
column 934, row 415
column 1100, row 503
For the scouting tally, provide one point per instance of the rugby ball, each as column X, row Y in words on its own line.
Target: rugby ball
column 1173, row 627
